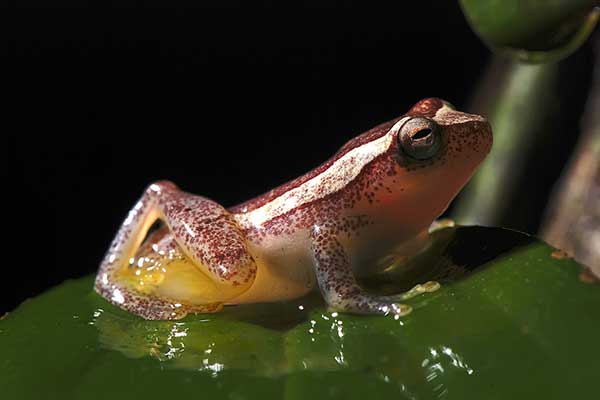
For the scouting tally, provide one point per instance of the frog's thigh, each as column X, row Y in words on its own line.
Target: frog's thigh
column 209, row 236
column 212, row 240
column 337, row 282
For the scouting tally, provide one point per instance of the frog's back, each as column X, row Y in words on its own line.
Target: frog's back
column 325, row 193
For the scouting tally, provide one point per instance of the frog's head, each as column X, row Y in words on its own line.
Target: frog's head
column 436, row 138
column 432, row 152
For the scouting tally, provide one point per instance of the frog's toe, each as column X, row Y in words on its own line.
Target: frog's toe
column 400, row 309
column 427, row 287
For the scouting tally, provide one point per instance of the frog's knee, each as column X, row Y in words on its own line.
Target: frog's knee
column 238, row 271
column 158, row 187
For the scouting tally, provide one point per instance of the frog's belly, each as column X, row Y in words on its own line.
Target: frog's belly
column 284, row 271
column 285, row 265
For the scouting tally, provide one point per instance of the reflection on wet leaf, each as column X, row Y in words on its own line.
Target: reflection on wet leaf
column 507, row 311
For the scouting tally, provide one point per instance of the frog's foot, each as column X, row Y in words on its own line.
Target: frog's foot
column 195, row 263
column 427, row 287
column 339, row 286
column 441, row 223
column 151, row 307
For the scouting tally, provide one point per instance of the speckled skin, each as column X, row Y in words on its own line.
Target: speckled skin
column 367, row 205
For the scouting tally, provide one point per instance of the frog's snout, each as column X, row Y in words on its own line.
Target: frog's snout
column 478, row 143
column 473, row 130
column 484, row 129
column 470, row 136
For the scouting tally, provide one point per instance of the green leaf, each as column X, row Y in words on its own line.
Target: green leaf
column 513, row 319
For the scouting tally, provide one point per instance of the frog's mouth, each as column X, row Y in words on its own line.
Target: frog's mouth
column 160, row 268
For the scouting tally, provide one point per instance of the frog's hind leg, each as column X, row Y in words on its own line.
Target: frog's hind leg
column 204, row 231
column 128, row 239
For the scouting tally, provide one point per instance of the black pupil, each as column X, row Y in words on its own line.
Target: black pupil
column 422, row 133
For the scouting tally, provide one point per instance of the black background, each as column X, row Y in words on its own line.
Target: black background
column 226, row 101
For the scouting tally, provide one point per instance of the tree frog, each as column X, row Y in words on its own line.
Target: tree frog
column 370, row 203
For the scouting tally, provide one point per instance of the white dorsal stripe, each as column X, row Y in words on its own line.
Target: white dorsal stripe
column 339, row 174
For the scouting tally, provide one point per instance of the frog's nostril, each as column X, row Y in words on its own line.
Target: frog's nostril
column 487, row 128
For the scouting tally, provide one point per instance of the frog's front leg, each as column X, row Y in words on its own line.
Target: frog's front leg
column 204, row 230
column 337, row 282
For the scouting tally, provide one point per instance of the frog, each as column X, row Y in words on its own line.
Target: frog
column 368, row 205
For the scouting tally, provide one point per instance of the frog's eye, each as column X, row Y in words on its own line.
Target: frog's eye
column 420, row 138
